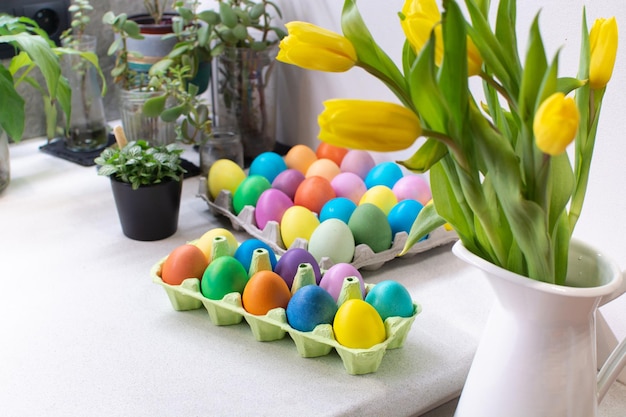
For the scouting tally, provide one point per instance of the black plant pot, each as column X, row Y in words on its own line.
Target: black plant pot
column 149, row 212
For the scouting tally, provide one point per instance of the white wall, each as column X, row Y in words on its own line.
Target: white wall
column 603, row 221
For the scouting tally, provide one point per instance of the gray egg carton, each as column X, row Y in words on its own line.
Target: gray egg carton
column 364, row 257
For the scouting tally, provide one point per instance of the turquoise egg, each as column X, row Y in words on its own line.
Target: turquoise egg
column 268, row 165
column 385, row 173
column 390, row 299
column 338, row 208
column 403, row 215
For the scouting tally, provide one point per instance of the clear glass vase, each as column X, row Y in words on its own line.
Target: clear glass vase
column 139, row 126
column 5, row 163
column 245, row 94
column 87, row 130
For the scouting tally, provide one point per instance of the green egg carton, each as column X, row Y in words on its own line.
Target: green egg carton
column 274, row 326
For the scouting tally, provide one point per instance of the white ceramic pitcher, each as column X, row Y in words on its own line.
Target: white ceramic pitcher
column 537, row 355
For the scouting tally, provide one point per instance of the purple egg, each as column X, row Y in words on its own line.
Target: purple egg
column 271, row 206
column 358, row 162
column 287, row 265
column 288, row 182
column 349, row 185
column 332, row 281
column 412, row 187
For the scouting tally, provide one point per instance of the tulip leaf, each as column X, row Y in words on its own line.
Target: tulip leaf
column 505, row 30
column 425, row 93
column 427, row 220
column 453, row 78
column 535, row 66
column 561, row 180
column 426, row 156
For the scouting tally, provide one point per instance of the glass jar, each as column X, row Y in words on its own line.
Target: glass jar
column 139, row 126
column 222, row 143
column 87, row 130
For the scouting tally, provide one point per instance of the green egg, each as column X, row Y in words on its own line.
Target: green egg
column 249, row 191
column 369, row 226
column 223, row 276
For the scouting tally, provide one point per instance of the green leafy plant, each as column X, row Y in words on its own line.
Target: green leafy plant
column 499, row 172
column 139, row 163
column 246, row 24
column 156, row 9
column 124, row 29
column 35, row 51
column 80, row 10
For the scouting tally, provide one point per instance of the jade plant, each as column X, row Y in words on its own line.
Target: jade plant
column 140, row 164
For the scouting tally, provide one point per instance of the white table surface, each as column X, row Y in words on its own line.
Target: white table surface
column 84, row 331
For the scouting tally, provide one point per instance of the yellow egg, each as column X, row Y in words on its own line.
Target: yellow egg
column 381, row 196
column 297, row 222
column 205, row 243
column 224, row 175
column 358, row 325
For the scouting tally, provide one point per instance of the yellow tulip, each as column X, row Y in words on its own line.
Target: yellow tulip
column 556, row 123
column 603, row 43
column 419, row 18
column 314, row 48
column 370, row 125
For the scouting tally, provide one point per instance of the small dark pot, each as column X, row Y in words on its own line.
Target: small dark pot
column 149, row 212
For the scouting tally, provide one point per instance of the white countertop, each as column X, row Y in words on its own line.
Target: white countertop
column 86, row 332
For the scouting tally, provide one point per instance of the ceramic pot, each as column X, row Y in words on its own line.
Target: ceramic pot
column 149, row 212
column 537, row 355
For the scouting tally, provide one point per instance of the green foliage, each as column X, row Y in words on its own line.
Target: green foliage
column 508, row 201
column 124, row 29
column 80, row 10
column 246, row 24
column 155, row 9
column 35, row 51
column 139, row 164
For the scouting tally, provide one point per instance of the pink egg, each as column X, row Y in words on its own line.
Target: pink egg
column 271, row 206
column 358, row 162
column 412, row 187
column 288, row 182
column 332, row 280
column 349, row 185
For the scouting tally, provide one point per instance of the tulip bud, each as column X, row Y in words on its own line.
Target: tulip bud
column 314, row 48
column 603, row 43
column 371, row 125
column 556, row 124
column 419, row 18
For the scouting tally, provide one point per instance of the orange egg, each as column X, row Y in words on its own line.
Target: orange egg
column 313, row 193
column 265, row 291
column 300, row 157
column 332, row 152
column 185, row 261
column 323, row 168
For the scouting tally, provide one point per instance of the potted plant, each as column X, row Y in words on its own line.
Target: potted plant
column 245, row 89
column 87, row 129
column 35, row 52
column 147, row 182
column 154, row 25
column 500, row 176
column 134, row 89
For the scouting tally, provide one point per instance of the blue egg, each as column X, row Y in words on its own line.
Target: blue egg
column 268, row 165
column 403, row 214
column 245, row 251
column 309, row 307
column 385, row 173
column 337, row 208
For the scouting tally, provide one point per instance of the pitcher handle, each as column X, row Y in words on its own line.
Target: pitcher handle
column 617, row 359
